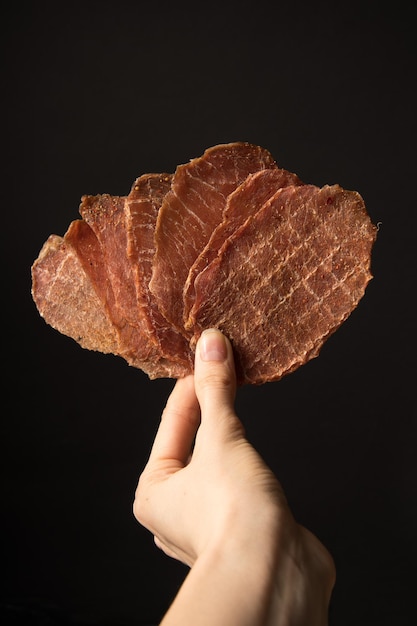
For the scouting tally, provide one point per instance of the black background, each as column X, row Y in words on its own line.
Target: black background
column 95, row 94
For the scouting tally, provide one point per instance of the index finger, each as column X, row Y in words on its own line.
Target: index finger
column 179, row 423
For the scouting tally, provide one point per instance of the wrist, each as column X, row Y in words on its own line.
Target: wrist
column 232, row 581
column 252, row 537
column 277, row 570
column 239, row 578
column 303, row 583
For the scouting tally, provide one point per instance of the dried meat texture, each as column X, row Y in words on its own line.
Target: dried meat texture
column 86, row 284
column 73, row 292
column 66, row 294
column 231, row 241
column 105, row 215
column 189, row 214
column 169, row 352
column 287, row 279
column 246, row 200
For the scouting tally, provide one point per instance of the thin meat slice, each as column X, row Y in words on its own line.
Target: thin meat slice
column 105, row 215
column 287, row 278
column 67, row 295
column 189, row 214
column 87, row 247
column 73, row 293
column 169, row 353
column 230, row 241
column 246, row 200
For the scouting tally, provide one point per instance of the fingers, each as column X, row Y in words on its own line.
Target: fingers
column 178, row 426
column 176, row 553
column 215, row 378
column 211, row 393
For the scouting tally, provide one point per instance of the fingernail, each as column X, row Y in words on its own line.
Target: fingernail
column 213, row 345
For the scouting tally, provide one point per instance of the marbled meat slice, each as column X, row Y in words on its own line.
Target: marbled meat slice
column 67, row 294
column 169, row 353
column 246, row 200
column 230, row 240
column 189, row 214
column 106, row 216
column 87, row 247
column 73, row 293
column 287, row 279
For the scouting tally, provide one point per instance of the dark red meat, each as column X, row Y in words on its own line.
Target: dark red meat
column 169, row 352
column 247, row 198
column 230, row 241
column 189, row 214
column 67, row 296
column 287, row 279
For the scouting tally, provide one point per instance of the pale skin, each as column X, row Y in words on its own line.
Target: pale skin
column 211, row 502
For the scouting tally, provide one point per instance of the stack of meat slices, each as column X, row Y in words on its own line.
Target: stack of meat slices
column 230, row 240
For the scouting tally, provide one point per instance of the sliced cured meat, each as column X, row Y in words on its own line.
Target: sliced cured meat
column 189, row 214
column 112, row 310
column 105, row 214
column 86, row 246
column 73, row 293
column 231, row 241
column 246, row 200
column 287, row 279
column 169, row 352
column 67, row 298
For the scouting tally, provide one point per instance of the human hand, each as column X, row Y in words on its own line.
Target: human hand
column 207, row 496
column 190, row 495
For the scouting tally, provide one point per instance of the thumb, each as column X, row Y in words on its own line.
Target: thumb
column 214, row 376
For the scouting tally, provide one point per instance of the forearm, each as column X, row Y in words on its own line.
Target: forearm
column 224, row 589
column 304, row 581
column 287, row 584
